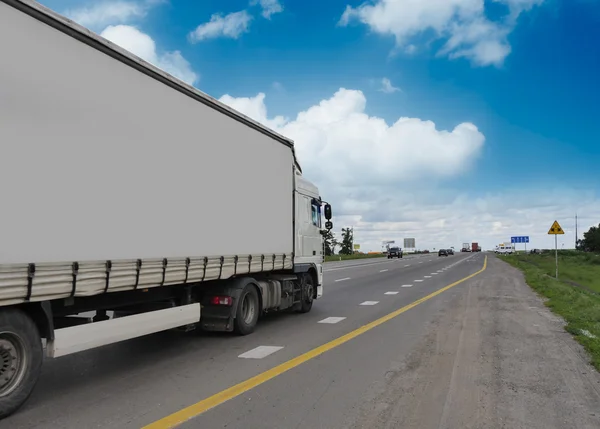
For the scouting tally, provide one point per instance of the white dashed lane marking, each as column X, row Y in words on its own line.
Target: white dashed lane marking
column 406, row 285
column 369, row 303
column 382, row 271
column 260, row 352
column 391, row 293
column 418, row 280
column 427, row 277
column 332, row 320
column 343, row 280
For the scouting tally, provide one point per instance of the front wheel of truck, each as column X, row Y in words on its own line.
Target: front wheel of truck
column 20, row 359
column 307, row 293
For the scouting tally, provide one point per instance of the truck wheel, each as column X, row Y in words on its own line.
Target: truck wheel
column 307, row 294
column 20, row 359
column 247, row 311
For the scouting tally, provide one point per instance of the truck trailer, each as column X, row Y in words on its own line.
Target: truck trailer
column 132, row 196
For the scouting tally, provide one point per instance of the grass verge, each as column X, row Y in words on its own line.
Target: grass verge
column 334, row 258
column 573, row 296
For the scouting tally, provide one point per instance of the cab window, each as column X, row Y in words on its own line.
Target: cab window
column 316, row 215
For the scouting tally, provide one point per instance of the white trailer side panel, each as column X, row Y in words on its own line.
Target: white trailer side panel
column 99, row 161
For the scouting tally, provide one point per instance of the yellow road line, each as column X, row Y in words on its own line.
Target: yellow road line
column 198, row 408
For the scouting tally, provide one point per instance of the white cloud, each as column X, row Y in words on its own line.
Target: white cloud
column 232, row 25
column 463, row 23
column 269, row 7
column 387, row 180
column 338, row 142
column 142, row 45
column 387, row 87
column 102, row 14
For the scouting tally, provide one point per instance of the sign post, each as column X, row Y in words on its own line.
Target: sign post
column 522, row 239
column 556, row 230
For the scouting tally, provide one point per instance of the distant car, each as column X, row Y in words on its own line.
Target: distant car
column 394, row 252
column 450, row 251
column 443, row 252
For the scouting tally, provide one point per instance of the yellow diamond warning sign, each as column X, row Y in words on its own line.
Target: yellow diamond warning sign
column 555, row 229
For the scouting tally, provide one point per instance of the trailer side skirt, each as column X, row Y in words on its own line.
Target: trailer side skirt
column 84, row 337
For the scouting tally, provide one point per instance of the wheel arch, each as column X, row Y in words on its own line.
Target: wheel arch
column 310, row 269
column 41, row 314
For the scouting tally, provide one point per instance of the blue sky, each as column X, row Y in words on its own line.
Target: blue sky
column 535, row 103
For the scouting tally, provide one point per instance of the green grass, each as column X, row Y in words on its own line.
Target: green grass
column 356, row 256
column 573, row 267
column 578, row 304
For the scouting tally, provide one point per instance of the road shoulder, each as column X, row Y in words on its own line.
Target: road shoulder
column 494, row 357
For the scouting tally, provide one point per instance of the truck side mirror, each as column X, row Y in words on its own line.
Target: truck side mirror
column 328, row 211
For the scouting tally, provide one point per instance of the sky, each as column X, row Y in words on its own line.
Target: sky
column 447, row 121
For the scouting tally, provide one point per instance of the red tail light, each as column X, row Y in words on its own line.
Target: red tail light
column 221, row 300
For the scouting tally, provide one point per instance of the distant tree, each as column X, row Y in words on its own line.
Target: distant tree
column 346, row 246
column 330, row 243
column 591, row 240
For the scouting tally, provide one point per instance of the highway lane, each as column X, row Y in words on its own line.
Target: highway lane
column 335, row 265
column 135, row 383
column 485, row 353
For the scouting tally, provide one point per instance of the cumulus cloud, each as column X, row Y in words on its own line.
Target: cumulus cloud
column 232, row 26
column 340, row 143
column 381, row 178
column 269, row 7
column 387, row 87
column 142, row 45
column 106, row 13
column 463, row 23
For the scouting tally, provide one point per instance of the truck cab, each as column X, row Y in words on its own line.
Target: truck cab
column 309, row 228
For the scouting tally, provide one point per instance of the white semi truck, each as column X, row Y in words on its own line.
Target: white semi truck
column 125, row 191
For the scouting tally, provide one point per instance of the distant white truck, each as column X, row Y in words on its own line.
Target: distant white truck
column 505, row 249
column 123, row 189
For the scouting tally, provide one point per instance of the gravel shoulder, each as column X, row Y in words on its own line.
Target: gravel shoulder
column 495, row 357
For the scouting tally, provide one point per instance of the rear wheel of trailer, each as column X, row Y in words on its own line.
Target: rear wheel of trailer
column 20, row 359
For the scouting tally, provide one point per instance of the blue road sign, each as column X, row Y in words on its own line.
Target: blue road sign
column 520, row 239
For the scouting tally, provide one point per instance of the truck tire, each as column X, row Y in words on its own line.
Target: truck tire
column 307, row 293
column 20, row 359
column 248, row 308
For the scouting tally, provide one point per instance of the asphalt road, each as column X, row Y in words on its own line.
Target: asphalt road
column 482, row 353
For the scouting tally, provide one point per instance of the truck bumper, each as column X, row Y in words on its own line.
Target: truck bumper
column 320, row 280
